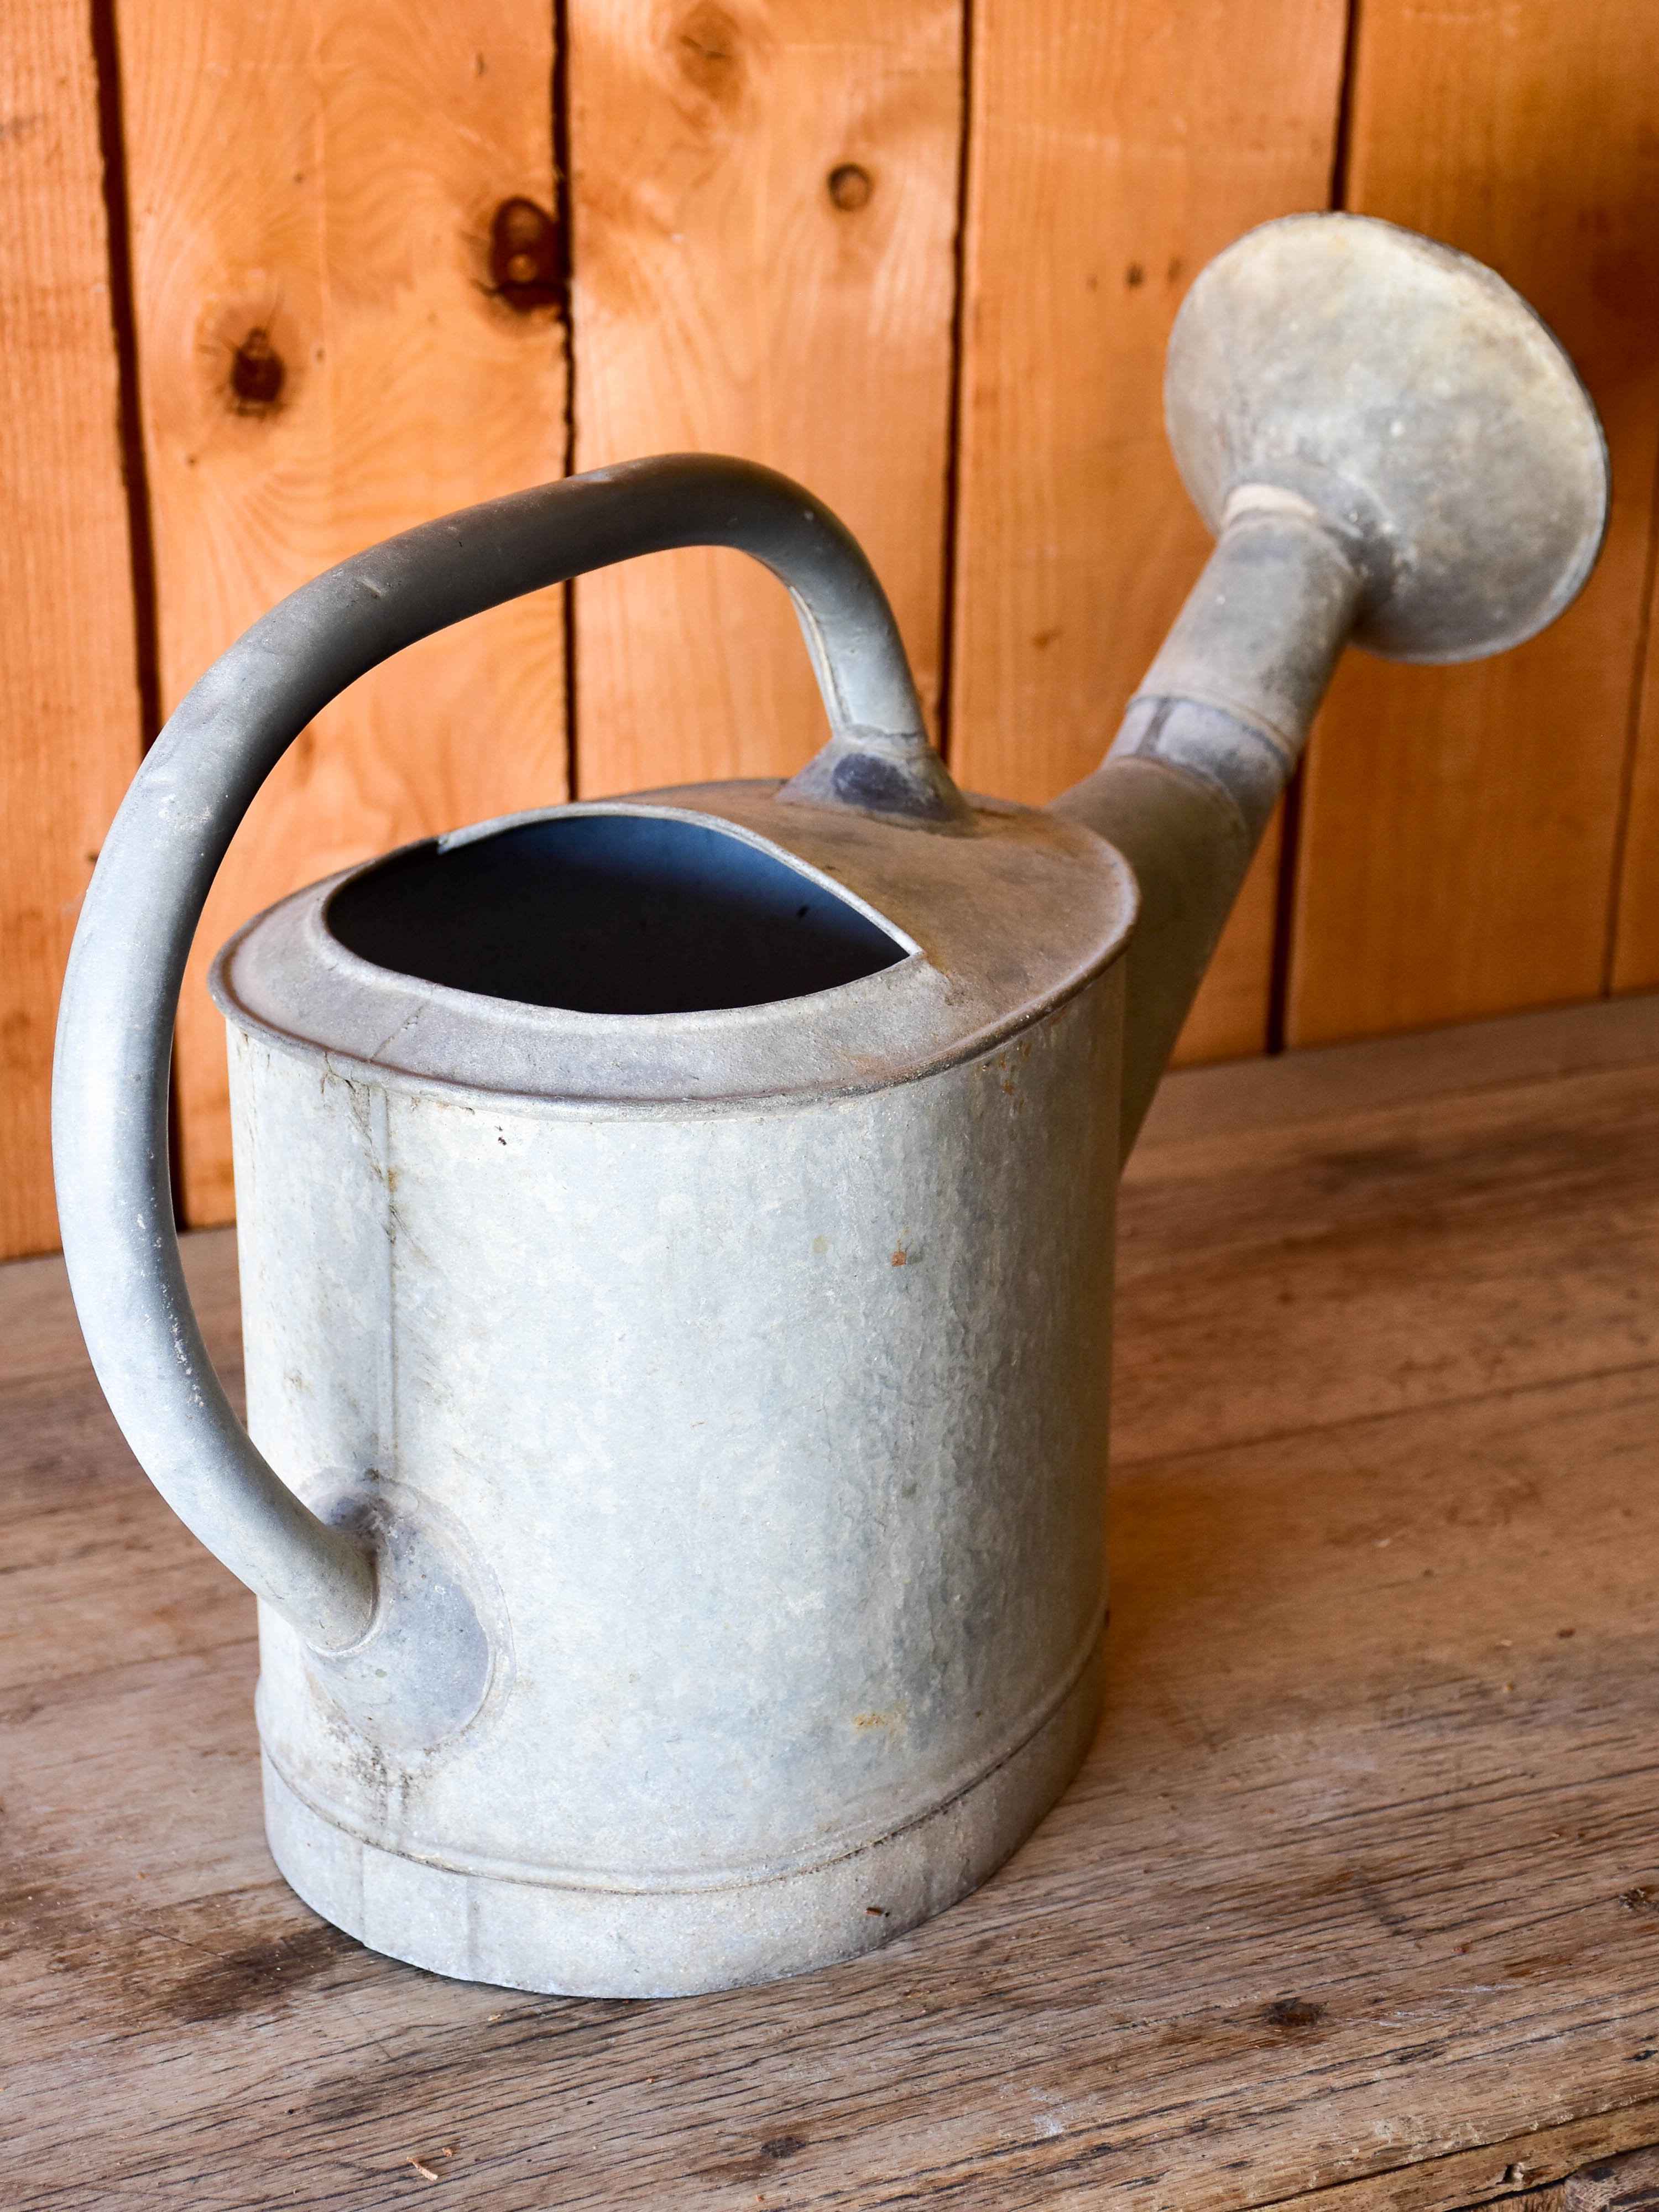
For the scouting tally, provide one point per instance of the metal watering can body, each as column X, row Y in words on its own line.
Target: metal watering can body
column 676, row 1233
column 738, row 1372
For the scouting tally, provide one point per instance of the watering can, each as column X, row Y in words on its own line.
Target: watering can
column 676, row 1232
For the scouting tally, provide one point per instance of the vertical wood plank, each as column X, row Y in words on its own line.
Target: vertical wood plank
column 1634, row 965
column 728, row 299
column 315, row 180
column 1459, row 827
column 1115, row 147
column 70, row 727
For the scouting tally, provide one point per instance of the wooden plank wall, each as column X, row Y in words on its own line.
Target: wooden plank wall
column 1134, row 139
column 924, row 255
column 1462, row 827
column 313, row 184
column 765, row 211
column 68, row 681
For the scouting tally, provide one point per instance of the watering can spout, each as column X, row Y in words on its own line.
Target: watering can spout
column 1392, row 450
column 1206, row 749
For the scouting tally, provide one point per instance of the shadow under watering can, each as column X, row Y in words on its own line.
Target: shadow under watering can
column 676, row 1232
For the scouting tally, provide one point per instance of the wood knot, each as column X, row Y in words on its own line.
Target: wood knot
column 850, row 187
column 708, row 48
column 257, row 374
column 1293, row 2015
column 527, row 262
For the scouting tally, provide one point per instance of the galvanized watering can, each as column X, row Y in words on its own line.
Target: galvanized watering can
column 676, row 1232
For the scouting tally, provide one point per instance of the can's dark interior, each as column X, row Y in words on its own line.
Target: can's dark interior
column 609, row 914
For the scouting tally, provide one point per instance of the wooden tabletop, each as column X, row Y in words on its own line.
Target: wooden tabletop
column 1356, row 1902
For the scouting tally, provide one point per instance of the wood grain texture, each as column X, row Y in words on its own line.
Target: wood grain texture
column 70, row 729
column 1634, row 965
column 726, row 302
column 1356, row 1903
column 1630, row 2183
column 1287, row 1089
column 1579, row 2167
column 316, row 180
column 1114, row 149
column 1461, row 825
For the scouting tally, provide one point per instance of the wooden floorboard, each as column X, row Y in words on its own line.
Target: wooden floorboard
column 1356, row 1904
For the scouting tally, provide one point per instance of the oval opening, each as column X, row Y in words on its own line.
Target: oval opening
column 609, row 913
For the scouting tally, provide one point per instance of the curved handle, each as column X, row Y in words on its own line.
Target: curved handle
column 121, row 991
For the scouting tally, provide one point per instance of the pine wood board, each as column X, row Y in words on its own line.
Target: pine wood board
column 70, row 724
column 725, row 302
column 1627, row 2184
column 1461, row 826
column 1606, row 2164
column 1325, row 1081
column 325, row 173
column 1635, row 962
column 1354, row 1904
column 1366, row 1215
column 1113, row 151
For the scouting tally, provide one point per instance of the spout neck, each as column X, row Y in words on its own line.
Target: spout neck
column 1261, row 634
column 1206, row 746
